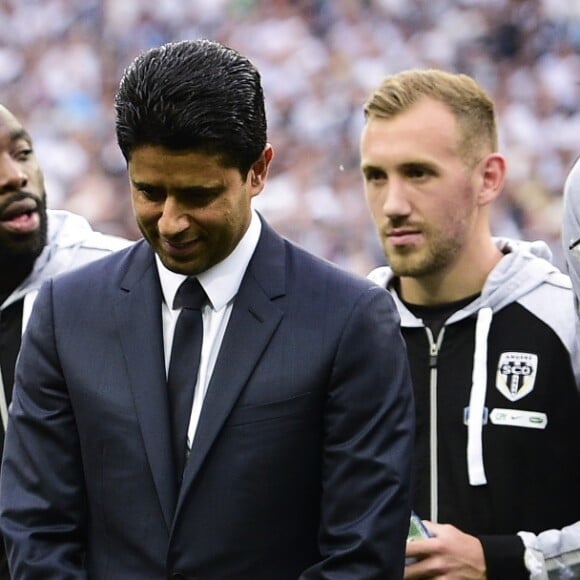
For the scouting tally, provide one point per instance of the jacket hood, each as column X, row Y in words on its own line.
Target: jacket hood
column 65, row 230
column 571, row 230
column 524, row 267
column 70, row 241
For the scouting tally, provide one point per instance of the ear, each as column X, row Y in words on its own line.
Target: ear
column 259, row 170
column 492, row 175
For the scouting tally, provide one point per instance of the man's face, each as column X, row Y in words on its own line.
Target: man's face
column 23, row 220
column 189, row 207
column 421, row 194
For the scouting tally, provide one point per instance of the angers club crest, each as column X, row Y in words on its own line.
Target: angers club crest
column 516, row 374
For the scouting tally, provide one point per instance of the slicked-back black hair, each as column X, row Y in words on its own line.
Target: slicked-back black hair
column 193, row 95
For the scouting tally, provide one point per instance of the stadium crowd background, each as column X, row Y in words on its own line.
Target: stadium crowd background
column 61, row 60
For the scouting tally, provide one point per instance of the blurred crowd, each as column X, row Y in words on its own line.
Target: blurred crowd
column 61, row 60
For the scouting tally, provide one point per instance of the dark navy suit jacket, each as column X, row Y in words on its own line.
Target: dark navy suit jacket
column 301, row 461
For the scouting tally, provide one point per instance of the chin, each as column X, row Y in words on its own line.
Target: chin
column 406, row 268
column 185, row 268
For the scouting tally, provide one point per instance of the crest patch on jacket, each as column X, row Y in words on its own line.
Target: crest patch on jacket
column 516, row 374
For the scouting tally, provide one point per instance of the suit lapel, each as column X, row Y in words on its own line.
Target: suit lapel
column 254, row 319
column 138, row 314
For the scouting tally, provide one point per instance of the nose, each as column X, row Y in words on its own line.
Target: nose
column 12, row 175
column 395, row 203
column 174, row 219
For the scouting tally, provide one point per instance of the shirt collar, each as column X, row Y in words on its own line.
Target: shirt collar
column 222, row 281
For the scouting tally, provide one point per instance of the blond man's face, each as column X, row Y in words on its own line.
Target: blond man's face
column 421, row 193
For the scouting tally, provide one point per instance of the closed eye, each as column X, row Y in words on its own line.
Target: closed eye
column 154, row 194
column 189, row 196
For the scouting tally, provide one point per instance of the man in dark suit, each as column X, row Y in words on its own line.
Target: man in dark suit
column 299, row 416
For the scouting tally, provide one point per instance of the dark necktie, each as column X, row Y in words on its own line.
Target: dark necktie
column 184, row 365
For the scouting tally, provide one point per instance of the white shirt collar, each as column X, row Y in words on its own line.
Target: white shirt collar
column 222, row 281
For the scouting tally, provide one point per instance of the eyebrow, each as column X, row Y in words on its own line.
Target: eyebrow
column 18, row 134
column 193, row 189
column 404, row 165
column 370, row 167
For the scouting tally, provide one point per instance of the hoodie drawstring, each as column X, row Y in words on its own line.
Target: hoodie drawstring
column 475, row 467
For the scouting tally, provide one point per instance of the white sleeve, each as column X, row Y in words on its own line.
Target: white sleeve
column 553, row 553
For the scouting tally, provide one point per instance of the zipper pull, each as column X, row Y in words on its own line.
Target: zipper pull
column 434, row 346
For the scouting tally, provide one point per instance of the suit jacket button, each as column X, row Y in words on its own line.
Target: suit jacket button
column 177, row 576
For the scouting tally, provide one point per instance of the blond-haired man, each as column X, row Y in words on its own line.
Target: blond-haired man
column 489, row 327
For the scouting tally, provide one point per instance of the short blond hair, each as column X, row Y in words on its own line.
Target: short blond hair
column 467, row 101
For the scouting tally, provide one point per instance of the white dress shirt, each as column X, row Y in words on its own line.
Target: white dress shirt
column 221, row 283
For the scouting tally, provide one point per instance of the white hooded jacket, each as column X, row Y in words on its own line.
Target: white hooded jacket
column 71, row 242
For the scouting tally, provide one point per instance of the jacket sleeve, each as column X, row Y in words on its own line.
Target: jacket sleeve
column 367, row 447
column 42, row 502
column 504, row 557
